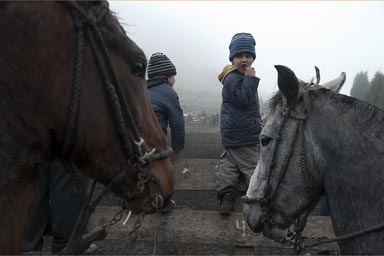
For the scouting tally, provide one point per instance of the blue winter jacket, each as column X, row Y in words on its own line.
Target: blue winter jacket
column 240, row 122
column 165, row 103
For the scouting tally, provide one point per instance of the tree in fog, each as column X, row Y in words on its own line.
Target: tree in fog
column 369, row 91
column 377, row 90
column 361, row 87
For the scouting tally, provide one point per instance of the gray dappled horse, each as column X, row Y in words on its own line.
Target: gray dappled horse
column 317, row 142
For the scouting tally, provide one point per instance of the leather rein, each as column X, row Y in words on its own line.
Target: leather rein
column 134, row 151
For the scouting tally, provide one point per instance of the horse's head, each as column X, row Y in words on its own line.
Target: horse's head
column 119, row 141
column 285, row 185
column 87, row 79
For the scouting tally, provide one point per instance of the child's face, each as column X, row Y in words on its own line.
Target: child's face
column 242, row 61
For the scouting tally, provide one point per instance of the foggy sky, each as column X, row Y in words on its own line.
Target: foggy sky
column 336, row 36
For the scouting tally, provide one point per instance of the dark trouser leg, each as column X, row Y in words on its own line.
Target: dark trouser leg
column 65, row 205
column 40, row 217
column 324, row 207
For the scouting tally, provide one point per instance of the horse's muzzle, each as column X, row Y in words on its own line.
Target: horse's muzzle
column 253, row 215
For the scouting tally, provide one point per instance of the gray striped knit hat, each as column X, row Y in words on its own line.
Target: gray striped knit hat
column 242, row 42
column 160, row 65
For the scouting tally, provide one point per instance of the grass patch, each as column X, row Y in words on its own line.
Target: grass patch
column 198, row 129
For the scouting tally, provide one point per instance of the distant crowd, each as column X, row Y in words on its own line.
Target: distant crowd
column 201, row 119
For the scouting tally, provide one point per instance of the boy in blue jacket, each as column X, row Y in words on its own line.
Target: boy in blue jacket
column 240, row 122
column 165, row 101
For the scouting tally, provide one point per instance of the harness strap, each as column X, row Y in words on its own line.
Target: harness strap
column 347, row 236
column 123, row 119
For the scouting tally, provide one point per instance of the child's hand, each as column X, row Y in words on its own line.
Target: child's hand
column 250, row 71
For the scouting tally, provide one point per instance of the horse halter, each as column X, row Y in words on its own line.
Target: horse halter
column 134, row 151
column 267, row 201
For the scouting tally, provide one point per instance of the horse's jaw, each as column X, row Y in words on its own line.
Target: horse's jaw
column 255, row 219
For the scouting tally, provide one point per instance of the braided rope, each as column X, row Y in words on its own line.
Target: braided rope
column 112, row 97
column 76, row 89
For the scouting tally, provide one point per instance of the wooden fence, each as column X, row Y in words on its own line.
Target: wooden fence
column 194, row 226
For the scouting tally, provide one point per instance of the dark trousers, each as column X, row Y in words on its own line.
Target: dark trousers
column 324, row 207
column 57, row 207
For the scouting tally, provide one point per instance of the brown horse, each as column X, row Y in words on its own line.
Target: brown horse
column 39, row 66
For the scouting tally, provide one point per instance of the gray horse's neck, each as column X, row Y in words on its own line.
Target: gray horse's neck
column 348, row 139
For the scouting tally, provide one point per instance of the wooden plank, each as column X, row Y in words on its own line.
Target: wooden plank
column 195, row 186
column 204, row 227
column 122, row 247
column 198, row 174
column 202, row 200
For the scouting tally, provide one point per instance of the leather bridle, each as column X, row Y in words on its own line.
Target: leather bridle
column 134, row 150
column 267, row 201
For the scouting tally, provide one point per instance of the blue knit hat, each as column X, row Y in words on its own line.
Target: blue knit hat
column 242, row 42
column 160, row 65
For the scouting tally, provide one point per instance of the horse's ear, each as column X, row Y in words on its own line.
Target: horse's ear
column 288, row 83
column 336, row 84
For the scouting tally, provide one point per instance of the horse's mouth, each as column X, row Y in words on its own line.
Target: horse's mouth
column 146, row 202
column 253, row 216
column 259, row 222
column 276, row 234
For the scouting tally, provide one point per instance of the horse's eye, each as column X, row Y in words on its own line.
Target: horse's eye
column 138, row 68
column 264, row 140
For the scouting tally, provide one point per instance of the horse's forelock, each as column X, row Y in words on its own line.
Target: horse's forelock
column 277, row 99
column 274, row 102
column 116, row 39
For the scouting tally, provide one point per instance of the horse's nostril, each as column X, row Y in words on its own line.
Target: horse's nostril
column 157, row 201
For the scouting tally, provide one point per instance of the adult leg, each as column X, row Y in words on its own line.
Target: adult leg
column 324, row 207
column 40, row 217
column 65, row 205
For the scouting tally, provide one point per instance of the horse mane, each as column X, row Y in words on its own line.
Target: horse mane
column 277, row 99
column 369, row 112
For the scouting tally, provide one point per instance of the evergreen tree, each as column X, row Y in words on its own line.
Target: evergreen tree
column 377, row 90
column 361, row 87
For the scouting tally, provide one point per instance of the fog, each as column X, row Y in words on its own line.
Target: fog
column 336, row 36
